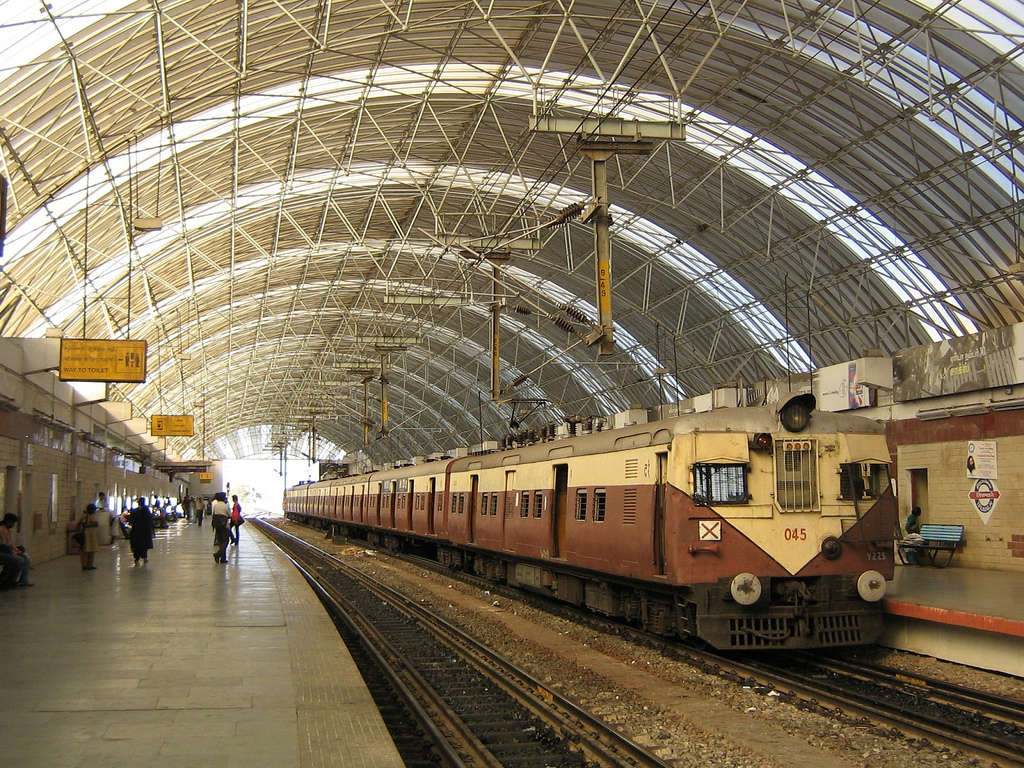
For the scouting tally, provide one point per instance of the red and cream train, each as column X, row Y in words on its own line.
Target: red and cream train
column 761, row 527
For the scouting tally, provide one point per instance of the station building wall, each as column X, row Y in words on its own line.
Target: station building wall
column 48, row 475
column 931, row 470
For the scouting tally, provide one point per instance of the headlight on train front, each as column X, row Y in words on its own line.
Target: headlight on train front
column 871, row 586
column 831, row 548
column 795, row 413
column 745, row 588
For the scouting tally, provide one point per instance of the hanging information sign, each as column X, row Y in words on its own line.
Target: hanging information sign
column 171, row 426
column 102, row 360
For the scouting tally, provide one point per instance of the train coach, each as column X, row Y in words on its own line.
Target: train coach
column 749, row 528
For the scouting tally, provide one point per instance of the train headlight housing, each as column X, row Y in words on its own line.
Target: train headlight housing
column 795, row 413
column 871, row 586
column 831, row 548
column 745, row 588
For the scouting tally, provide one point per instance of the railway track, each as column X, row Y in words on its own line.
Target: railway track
column 971, row 720
column 896, row 703
column 467, row 704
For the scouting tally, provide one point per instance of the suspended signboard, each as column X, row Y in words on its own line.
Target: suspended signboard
column 102, row 360
column 206, row 477
column 171, row 426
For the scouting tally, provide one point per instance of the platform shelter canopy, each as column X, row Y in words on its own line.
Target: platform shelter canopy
column 293, row 200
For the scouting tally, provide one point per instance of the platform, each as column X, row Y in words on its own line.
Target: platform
column 965, row 615
column 180, row 662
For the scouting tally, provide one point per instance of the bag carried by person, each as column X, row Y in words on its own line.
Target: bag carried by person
column 78, row 538
column 220, row 521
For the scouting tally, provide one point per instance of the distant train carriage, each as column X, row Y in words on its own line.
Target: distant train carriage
column 767, row 527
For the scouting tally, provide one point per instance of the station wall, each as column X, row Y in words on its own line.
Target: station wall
column 933, row 471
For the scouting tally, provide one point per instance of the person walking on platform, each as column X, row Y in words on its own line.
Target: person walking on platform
column 221, row 517
column 199, row 507
column 88, row 526
column 141, row 522
column 236, row 520
column 14, row 560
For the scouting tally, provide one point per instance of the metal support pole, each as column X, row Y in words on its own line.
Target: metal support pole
column 366, row 413
column 602, row 251
column 495, row 335
column 383, row 395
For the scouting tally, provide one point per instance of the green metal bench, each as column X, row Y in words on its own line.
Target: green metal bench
column 934, row 539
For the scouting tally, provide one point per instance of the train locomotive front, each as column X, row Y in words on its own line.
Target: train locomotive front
column 781, row 534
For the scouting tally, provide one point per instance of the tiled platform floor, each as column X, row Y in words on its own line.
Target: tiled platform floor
column 180, row 662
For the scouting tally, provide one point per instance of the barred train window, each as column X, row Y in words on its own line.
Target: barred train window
column 719, row 484
column 524, row 509
column 581, row 505
column 863, row 481
column 796, row 475
column 600, row 498
column 538, row 503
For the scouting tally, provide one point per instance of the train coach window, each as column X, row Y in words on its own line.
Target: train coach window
column 581, row 505
column 524, row 505
column 719, row 484
column 538, row 503
column 600, row 500
column 862, row 481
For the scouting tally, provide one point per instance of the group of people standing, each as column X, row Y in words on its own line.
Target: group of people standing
column 137, row 525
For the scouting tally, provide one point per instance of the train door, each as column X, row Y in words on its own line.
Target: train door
column 392, row 501
column 474, row 487
column 431, row 500
column 506, row 504
column 659, row 514
column 410, row 501
column 558, row 510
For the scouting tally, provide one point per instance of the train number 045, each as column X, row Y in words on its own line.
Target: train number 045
column 796, row 534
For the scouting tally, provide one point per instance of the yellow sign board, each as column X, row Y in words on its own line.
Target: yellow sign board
column 172, row 426
column 102, row 360
column 206, row 477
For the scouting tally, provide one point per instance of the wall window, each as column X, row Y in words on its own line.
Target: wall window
column 719, row 484
column 581, row 505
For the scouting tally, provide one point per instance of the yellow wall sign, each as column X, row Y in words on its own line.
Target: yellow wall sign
column 171, row 426
column 206, row 477
column 102, row 360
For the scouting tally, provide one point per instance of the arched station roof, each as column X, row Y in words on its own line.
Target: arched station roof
column 848, row 180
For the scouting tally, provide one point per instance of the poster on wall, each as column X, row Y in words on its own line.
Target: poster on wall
column 981, row 459
column 993, row 358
